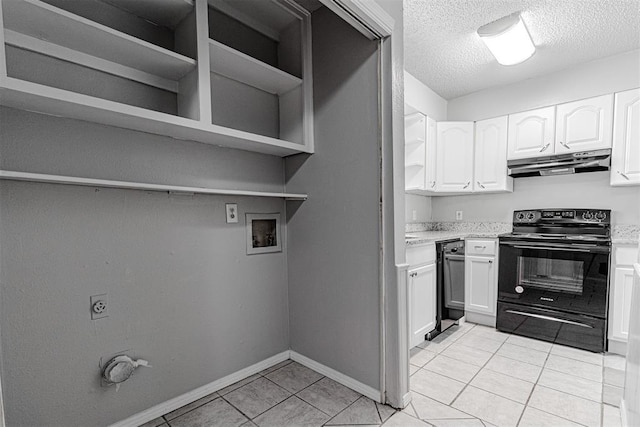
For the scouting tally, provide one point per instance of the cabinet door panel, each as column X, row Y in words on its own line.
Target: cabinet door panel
column 531, row 133
column 454, row 151
column 490, row 169
column 620, row 308
column 584, row 125
column 625, row 151
column 422, row 303
column 480, row 283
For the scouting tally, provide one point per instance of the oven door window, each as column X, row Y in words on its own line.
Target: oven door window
column 551, row 274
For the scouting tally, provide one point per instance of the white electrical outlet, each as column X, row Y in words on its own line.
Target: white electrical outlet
column 99, row 306
column 232, row 213
column 458, row 215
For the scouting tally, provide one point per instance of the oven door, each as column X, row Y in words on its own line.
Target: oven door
column 569, row 277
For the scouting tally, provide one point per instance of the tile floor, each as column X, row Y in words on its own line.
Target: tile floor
column 469, row 376
column 477, row 376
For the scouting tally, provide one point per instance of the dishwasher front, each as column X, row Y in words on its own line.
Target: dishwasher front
column 450, row 285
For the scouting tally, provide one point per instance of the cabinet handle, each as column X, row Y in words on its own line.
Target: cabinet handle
column 466, row 185
column 480, row 247
column 490, row 261
column 481, row 186
column 433, row 184
column 565, row 145
column 624, row 176
column 545, row 147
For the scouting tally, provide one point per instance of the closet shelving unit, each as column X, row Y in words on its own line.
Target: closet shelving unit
column 415, row 155
column 173, row 69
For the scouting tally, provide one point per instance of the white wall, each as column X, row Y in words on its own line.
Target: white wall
column 599, row 77
column 420, row 97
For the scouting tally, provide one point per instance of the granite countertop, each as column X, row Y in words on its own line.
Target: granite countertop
column 625, row 234
column 425, row 237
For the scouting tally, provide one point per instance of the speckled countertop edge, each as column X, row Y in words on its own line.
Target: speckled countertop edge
column 429, row 232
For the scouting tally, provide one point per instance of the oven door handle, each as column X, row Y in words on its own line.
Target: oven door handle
column 558, row 247
column 553, row 319
column 551, row 248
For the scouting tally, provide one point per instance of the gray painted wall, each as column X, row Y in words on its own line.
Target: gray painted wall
column 183, row 294
column 333, row 254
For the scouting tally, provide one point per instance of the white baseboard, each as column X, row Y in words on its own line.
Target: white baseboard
column 178, row 402
column 346, row 381
column 617, row 347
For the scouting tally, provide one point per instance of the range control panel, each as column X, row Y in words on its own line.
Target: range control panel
column 562, row 215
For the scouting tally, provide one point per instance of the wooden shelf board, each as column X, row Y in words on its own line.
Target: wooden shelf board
column 245, row 69
column 29, row 96
column 167, row 13
column 43, row 21
column 127, row 185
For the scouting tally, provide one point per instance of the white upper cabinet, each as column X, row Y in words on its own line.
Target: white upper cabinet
column 531, row 133
column 584, row 125
column 625, row 153
column 490, row 170
column 454, row 151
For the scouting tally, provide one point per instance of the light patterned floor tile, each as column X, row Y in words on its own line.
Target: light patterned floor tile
column 257, row 396
column 238, row 384
column 215, row 413
column 385, row 411
column 571, row 384
column 429, row 410
column 452, row 368
column 275, row 367
column 328, row 396
column 523, row 354
column 489, row 407
column 438, row 387
column 292, row 412
column 533, row 417
column 612, row 395
column 479, row 343
column 467, row 422
column 577, row 409
column 294, row 377
column 503, row 385
column 487, row 332
column 574, row 367
column 362, row 411
column 413, row 369
column 529, row 343
column 420, row 358
column 467, row 354
column 401, row 419
column 614, row 376
column 514, row 368
column 577, row 354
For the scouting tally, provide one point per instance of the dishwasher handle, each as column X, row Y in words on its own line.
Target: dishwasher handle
column 454, row 257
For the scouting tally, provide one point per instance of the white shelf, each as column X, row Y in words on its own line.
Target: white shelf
column 245, row 69
column 43, row 21
column 414, row 141
column 29, row 96
column 90, row 182
column 167, row 13
column 414, row 165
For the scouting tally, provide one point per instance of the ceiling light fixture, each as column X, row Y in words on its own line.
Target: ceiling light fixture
column 508, row 39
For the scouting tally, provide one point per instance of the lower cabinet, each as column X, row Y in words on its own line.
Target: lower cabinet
column 620, row 293
column 421, row 291
column 422, row 302
column 480, row 281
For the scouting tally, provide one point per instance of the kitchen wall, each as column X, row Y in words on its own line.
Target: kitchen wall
column 182, row 292
column 422, row 98
column 608, row 75
column 334, row 243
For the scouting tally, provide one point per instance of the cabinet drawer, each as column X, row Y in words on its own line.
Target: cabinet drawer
column 480, row 247
column 424, row 254
column 626, row 255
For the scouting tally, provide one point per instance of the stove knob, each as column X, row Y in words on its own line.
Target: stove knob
column 587, row 215
column 520, row 216
column 601, row 216
column 530, row 216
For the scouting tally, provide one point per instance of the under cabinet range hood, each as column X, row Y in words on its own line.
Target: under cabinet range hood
column 561, row 164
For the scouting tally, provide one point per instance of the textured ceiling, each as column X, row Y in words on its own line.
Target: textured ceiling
column 443, row 50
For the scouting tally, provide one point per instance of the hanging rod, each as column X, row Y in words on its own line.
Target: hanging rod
column 107, row 183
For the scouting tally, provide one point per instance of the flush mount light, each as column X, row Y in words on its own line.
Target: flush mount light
column 508, row 39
